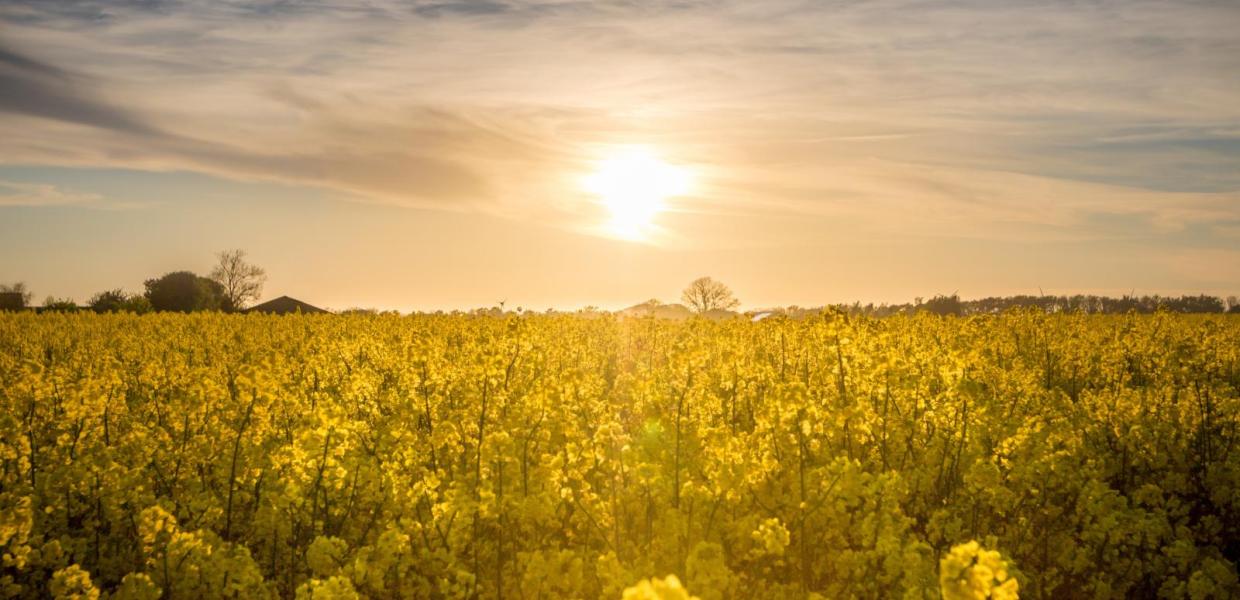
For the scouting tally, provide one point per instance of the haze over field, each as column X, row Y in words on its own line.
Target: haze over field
column 449, row 154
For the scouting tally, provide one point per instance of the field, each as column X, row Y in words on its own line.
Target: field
column 223, row 456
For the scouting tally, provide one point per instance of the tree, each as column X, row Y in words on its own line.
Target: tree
column 118, row 300
column 706, row 294
column 53, row 304
column 137, row 304
column 242, row 281
column 14, row 296
column 944, row 305
column 109, row 301
column 182, row 291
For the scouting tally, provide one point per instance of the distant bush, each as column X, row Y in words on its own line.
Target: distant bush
column 109, row 301
column 53, row 304
column 14, row 296
column 138, row 305
column 944, row 305
column 12, row 301
column 118, row 300
column 183, row 291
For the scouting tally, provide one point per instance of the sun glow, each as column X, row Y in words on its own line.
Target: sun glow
column 633, row 184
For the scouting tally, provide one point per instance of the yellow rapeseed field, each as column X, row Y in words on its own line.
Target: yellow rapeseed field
column 540, row 456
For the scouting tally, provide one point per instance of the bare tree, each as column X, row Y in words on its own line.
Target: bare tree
column 706, row 294
column 241, row 280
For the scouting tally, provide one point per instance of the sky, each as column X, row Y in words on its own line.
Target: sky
column 423, row 155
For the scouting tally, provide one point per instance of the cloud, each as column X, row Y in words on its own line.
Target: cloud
column 1025, row 118
column 32, row 87
column 875, row 199
column 414, row 167
column 471, row 8
column 39, row 195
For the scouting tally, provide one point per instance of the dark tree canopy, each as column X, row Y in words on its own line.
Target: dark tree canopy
column 183, row 291
column 1079, row 303
column 14, row 296
column 944, row 305
column 118, row 300
column 54, row 304
column 109, row 301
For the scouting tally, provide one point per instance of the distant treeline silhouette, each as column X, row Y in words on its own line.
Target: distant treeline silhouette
column 183, row 291
column 231, row 285
column 953, row 305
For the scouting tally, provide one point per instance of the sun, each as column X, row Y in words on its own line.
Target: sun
column 633, row 184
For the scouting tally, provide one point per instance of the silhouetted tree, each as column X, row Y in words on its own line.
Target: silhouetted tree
column 118, row 300
column 53, row 304
column 1079, row 303
column 14, row 296
column 109, row 301
column 705, row 294
column 137, row 304
column 944, row 305
column 1196, row 304
column 182, row 291
column 241, row 281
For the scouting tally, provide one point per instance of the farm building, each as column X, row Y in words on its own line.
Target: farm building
column 284, row 306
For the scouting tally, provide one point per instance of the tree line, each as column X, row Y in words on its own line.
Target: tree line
column 1080, row 303
column 234, row 282
column 706, row 295
column 230, row 286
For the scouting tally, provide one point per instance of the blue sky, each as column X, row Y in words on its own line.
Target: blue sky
column 428, row 154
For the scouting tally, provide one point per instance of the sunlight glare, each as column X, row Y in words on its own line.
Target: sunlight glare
column 633, row 184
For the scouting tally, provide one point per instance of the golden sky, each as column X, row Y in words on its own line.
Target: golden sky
column 446, row 154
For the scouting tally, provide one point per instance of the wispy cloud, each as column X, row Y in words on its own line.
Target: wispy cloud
column 17, row 193
column 35, row 88
column 1026, row 118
